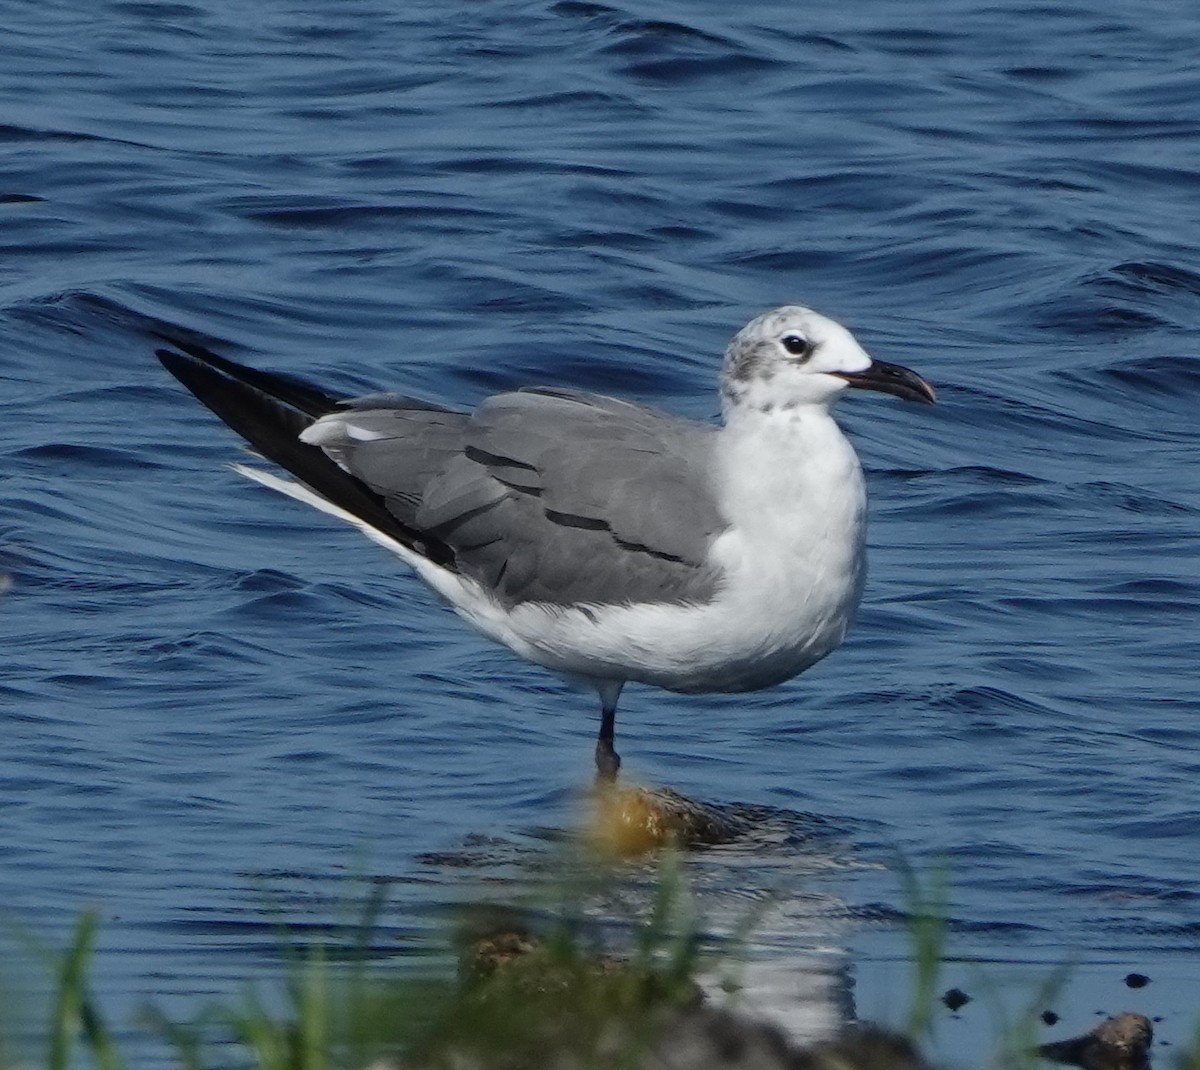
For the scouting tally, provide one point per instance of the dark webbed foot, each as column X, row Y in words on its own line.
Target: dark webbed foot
column 608, row 761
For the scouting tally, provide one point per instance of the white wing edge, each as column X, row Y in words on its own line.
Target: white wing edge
column 466, row 596
column 310, row 497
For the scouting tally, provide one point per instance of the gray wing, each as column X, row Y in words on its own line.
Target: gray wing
column 544, row 496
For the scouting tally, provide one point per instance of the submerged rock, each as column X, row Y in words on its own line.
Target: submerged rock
column 632, row 820
column 1121, row 1042
column 705, row 1038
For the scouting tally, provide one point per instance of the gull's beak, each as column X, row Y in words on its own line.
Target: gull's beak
column 891, row 379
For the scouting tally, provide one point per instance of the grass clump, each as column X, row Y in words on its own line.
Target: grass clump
column 519, row 999
column 524, row 999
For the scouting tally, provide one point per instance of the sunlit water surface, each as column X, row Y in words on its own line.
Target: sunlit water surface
column 218, row 706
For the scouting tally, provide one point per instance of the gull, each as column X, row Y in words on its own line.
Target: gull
column 602, row 539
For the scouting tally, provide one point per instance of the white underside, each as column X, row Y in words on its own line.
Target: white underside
column 792, row 561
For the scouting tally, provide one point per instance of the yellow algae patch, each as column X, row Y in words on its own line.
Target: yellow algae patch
column 628, row 820
column 625, row 822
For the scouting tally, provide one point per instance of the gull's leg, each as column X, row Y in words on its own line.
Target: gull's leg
column 607, row 759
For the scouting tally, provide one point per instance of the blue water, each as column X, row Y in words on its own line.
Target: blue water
column 214, row 701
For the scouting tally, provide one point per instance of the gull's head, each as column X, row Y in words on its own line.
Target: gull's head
column 793, row 356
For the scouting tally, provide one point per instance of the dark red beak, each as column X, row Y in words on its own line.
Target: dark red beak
column 891, row 379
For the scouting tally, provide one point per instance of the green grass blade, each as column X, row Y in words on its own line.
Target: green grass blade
column 928, row 909
column 68, row 998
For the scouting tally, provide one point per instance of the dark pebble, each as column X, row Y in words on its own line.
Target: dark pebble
column 956, row 998
column 1136, row 980
column 1049, row 1017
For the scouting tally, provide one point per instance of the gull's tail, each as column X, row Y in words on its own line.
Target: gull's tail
column 270, row 411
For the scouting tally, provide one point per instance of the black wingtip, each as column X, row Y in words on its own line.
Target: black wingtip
column 247, row 401
column 270, row 411
column 290, row 389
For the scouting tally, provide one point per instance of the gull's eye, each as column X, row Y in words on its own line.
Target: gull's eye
column 797, row 345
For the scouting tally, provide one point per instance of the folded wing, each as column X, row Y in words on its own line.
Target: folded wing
column 544, row 496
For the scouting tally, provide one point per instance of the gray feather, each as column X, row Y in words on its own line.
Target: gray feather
column 545, row 495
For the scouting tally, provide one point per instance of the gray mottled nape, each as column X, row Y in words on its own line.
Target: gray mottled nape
column 745, row 359
column 548, row 496
column 752, row 352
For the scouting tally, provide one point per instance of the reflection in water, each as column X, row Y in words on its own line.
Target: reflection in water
column 772, row 939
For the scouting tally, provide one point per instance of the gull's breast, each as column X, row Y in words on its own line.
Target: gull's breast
column 791, row 565
column 778, row 610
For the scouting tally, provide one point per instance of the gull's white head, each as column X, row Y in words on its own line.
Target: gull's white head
column 794, row 356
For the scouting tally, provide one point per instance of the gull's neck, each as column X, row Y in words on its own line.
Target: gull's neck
column 791, row 489
column 790, row 475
